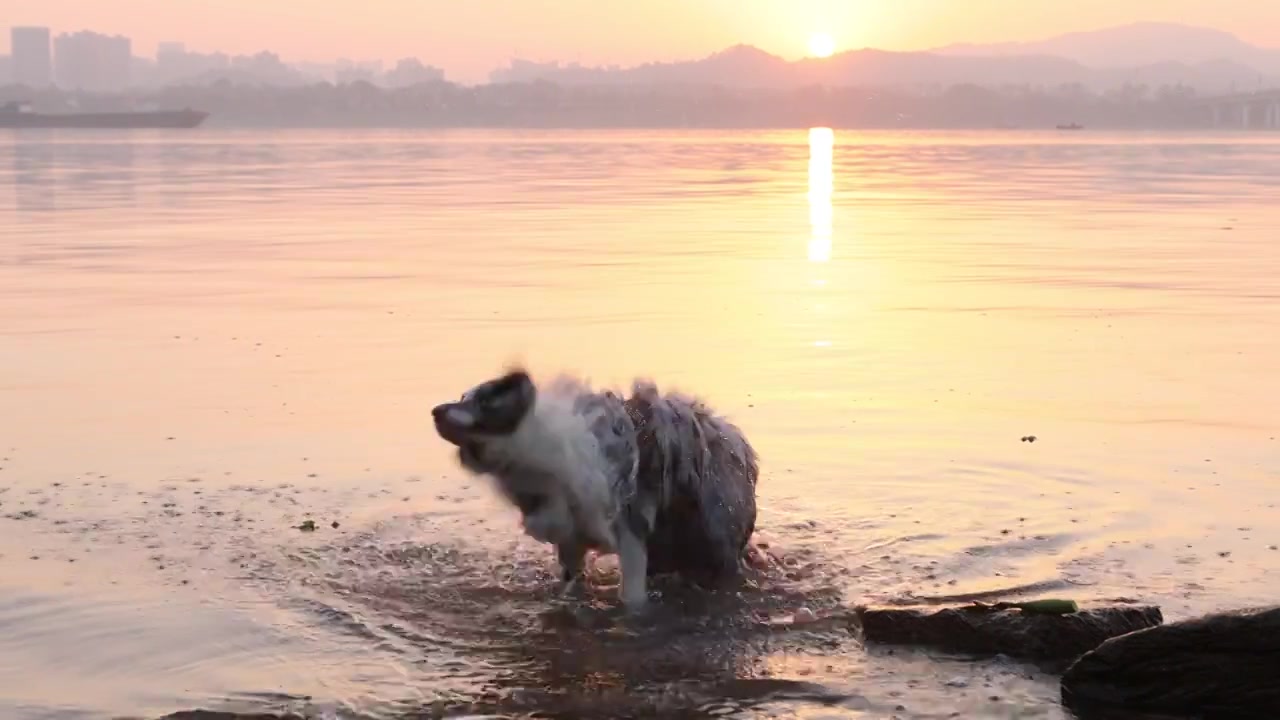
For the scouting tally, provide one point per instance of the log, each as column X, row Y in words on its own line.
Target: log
column 1003, row 630
column 1225, row 665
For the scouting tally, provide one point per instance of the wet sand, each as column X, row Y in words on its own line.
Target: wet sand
column 207, row 340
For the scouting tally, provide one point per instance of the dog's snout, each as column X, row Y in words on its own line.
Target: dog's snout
column 454, row 414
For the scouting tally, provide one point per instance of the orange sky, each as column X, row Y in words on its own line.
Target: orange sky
column 470, row 37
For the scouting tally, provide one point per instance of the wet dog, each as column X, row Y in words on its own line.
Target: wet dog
column 658, row 479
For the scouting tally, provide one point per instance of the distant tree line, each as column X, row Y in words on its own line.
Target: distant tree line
column 544, row 105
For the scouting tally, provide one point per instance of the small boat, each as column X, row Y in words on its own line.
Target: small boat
column 13, row 115
column 1071, row 126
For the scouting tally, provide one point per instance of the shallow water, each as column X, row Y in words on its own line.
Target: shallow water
column 207, row 338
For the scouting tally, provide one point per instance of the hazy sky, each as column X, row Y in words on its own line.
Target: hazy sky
column 470, row 37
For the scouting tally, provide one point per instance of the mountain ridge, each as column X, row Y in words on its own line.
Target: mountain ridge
column 1133, row 44
column 1152, row 54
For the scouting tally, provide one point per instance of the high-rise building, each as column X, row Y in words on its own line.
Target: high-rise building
column 92, row 62
column 172, row 62
column 30, row 62
column 175, row 64
column 411, row 71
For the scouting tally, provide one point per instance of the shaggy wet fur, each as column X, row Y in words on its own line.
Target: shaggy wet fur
column 659, row 479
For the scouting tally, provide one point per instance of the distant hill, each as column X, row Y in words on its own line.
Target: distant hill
column 1035, row 64
column 1138, row 44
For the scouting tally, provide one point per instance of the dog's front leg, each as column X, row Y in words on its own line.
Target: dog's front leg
column 633, row 563
column 572, row 557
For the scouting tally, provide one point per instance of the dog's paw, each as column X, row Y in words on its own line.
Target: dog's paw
column 636, row 617
column 634, row 600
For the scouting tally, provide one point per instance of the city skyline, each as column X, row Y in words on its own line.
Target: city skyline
column 1151, row 54
column 86, row 60
column 81, row 60
column 469, row 41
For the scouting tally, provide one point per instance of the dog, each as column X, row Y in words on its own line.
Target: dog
column 658, row 479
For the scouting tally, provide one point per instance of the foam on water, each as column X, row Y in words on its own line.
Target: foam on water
column 211, row 597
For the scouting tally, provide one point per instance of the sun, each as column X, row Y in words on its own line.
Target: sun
column 821, row 45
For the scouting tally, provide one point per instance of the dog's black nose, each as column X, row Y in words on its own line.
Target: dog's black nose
column 438, row 411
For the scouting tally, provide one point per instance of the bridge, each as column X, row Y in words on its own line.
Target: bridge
column 1258, row 110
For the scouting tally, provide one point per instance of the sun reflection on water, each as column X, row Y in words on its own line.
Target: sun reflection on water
column 821, row 181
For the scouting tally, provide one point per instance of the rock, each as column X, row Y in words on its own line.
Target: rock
column 1220, row 666
column 979, row 630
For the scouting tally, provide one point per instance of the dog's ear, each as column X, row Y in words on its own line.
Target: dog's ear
column 514, row 374
column 514, row 364
column 514, row 367
column 519, row 380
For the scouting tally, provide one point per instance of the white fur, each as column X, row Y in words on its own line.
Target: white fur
column 557, row 441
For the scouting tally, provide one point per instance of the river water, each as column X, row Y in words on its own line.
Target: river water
column 209, row 337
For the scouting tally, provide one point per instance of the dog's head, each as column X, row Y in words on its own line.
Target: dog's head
column 492, row 409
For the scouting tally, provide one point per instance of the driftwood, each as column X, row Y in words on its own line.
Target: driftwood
column 1217, row 666
column 995, row 630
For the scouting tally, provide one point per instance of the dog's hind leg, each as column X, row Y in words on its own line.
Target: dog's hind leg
column 633, row 561
column 632, row 531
